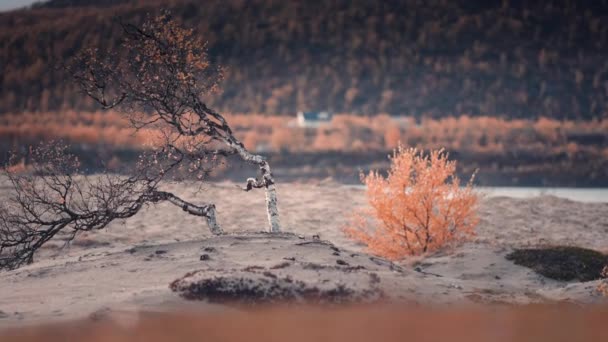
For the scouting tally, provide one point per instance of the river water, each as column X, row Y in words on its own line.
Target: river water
column 592, row 195
column 575, row 194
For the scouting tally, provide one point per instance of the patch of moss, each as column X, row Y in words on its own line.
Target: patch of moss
column 562, row 262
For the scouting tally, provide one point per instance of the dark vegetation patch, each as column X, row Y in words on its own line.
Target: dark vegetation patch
column 344, row 266
column 269, row 275
column 562, row 262
column 384, row 262
column 281, row 265
column 253, row 268
column 264, row 290
column 89, row 243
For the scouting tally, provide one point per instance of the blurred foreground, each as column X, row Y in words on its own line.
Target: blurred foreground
column 528, row 323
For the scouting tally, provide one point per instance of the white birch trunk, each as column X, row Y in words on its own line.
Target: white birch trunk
column 212, row 221
column 266, row 182
column 271, row 207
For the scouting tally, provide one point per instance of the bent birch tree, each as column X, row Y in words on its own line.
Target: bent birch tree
column 158, row 78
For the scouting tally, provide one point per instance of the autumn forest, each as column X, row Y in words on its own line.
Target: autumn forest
column 510, row 86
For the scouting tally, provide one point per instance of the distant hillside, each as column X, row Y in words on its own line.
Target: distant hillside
column 419, row 57
column 78, row 3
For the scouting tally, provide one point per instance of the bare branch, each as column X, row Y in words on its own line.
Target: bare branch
column 207, row 211
column 54, row 198
column 158, row 77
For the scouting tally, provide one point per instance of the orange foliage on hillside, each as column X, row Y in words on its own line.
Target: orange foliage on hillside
column 392, row 136
column 517, row 59
column 346, row 132
column 420, row 206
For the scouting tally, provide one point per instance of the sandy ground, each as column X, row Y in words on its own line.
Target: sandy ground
column 128, row 266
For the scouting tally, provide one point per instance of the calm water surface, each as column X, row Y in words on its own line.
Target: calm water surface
column 575, row 194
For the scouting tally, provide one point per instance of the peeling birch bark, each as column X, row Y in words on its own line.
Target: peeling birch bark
column 271, row 207
column 207, row 211
column 266, row 182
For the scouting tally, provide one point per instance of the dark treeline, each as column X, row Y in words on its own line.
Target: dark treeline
column 420, row 57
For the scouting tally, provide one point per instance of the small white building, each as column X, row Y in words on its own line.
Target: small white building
column 401, row 120
column 313, row 119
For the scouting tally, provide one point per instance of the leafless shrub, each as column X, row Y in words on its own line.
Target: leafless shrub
column 53, row 197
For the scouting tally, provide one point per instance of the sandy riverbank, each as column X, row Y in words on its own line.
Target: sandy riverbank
column 129, row 265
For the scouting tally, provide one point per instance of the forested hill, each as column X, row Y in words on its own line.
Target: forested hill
column 420, row 57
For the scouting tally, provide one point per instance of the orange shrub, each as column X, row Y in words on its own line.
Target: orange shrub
column 419, row 207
